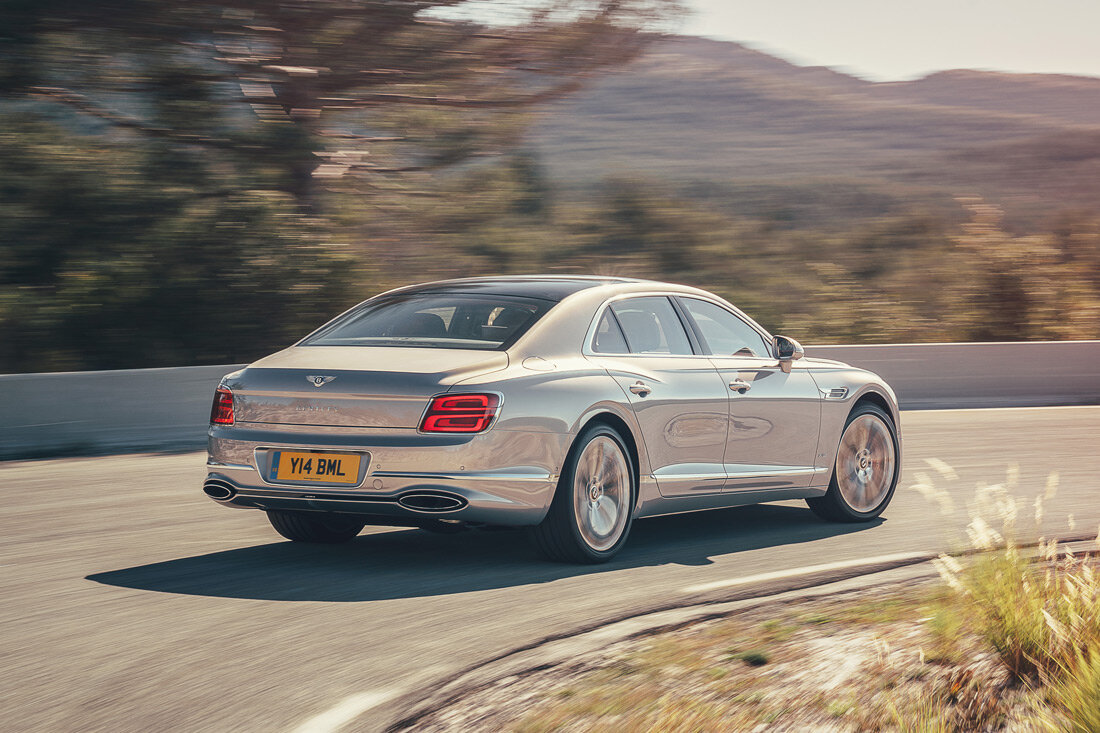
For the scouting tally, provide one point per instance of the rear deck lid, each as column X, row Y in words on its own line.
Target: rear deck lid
column 353, row 386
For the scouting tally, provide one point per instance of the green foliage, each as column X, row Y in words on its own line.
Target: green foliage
column 901, row 276
column 1076, row 697
column 111, row 260
column 753, row 658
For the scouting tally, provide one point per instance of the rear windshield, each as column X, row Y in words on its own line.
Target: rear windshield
column 434, row 320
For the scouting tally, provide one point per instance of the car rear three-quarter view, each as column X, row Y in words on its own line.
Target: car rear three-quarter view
column 568, row 405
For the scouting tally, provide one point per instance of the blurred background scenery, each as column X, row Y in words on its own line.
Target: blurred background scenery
column 205, row 182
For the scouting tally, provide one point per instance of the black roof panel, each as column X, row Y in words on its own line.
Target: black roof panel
column 553, row 288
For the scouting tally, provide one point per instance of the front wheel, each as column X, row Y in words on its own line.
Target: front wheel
column 866, row 470
column 317, row 527
column 593, row 507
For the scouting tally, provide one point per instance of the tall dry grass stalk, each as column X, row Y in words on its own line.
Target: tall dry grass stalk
column 1039, row 611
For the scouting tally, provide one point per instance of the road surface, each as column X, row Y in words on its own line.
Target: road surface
column 130, row 602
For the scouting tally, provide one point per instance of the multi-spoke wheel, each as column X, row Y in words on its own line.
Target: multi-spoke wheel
column 866, row 469
column 593, row 507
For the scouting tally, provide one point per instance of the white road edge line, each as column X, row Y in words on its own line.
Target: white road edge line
column 346, row 711
column 953, row 410
column 795, row 572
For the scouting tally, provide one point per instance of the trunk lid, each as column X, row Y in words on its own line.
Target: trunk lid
column 354, row 386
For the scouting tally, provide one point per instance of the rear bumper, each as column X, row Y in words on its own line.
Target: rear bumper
column 498, row 477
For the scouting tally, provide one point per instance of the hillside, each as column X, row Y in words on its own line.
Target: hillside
column 700, row 110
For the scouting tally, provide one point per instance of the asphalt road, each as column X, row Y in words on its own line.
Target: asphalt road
column 130, row 602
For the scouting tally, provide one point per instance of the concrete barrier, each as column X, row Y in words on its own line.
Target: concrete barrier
column 939, row 376
column 165, row 409
column 73, row 413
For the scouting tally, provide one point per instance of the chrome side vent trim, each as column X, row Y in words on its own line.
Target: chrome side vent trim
column 836, row 393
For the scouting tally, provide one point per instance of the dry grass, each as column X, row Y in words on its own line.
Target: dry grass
column 1040, row 614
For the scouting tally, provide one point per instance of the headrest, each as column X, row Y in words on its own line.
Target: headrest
column 643, row 332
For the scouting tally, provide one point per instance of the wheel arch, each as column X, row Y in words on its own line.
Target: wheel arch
column 876, row 398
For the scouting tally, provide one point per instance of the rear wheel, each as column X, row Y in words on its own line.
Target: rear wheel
column 317, row 527
column 866, row 470
column 593, row 507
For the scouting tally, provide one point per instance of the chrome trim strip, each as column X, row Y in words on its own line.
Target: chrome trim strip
column 728, row 475
column 229, row 466
column 590, row 334
column 690, row 476
column 456, row 476
column 327, row 395
column 778, row 472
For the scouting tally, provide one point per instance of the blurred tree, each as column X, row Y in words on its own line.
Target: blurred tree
column 335, row 85
column 165, row 164
column 108, row 259
column 1040, row 286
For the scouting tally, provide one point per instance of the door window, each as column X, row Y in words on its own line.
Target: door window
column 724, row 333
column 651, row 326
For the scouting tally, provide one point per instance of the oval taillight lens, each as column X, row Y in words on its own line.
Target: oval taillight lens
column 460, row 413
column 222, row 411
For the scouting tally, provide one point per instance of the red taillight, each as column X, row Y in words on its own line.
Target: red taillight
column 222, row 411
column 460, row 413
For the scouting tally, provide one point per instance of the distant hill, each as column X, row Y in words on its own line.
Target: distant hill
column 698, row 110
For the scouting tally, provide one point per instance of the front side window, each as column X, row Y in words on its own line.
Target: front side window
column 724, row 333
column 434, row 320
column 651, row 326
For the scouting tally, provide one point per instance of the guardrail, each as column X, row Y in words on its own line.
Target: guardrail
column 168, row 409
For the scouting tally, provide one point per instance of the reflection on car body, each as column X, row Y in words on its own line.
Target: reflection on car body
column 569, row 405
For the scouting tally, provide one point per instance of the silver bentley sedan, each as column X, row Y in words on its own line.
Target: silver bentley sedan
column 567, row 405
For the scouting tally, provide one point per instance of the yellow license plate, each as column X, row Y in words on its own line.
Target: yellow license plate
column 336, row 468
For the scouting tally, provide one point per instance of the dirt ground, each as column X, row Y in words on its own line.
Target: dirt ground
column 895, row 659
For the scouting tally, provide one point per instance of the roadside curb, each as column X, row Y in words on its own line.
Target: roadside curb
column 401, row 713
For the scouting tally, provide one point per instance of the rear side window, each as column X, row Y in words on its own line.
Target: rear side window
column 435, row 320
column 609, row 337
column 724, row 333
column 651, row 326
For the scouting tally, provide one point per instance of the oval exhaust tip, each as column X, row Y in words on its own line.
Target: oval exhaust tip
column 218, row 490
column 435, row 502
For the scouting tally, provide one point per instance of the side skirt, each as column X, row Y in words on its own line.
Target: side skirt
column 681, row 505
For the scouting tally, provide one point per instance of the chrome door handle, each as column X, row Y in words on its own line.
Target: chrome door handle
column 640, row 388
column 740, row 386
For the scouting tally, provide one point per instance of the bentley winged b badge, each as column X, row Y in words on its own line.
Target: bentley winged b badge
column 319, row 381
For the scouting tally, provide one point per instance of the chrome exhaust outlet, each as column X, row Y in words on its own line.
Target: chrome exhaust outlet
column 219, row 490
column 422, row 501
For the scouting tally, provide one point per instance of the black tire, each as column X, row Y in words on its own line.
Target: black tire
column 316, row 527
column 834, row 507
column 559, row 536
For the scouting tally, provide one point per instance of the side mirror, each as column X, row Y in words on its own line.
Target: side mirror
column 788, row 350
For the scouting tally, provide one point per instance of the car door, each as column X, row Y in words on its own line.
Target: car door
column 774, row 416
column 677, row 395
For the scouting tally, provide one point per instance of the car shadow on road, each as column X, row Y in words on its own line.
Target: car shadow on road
column 414, row 563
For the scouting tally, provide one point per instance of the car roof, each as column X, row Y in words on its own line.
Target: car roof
column 545, row 287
